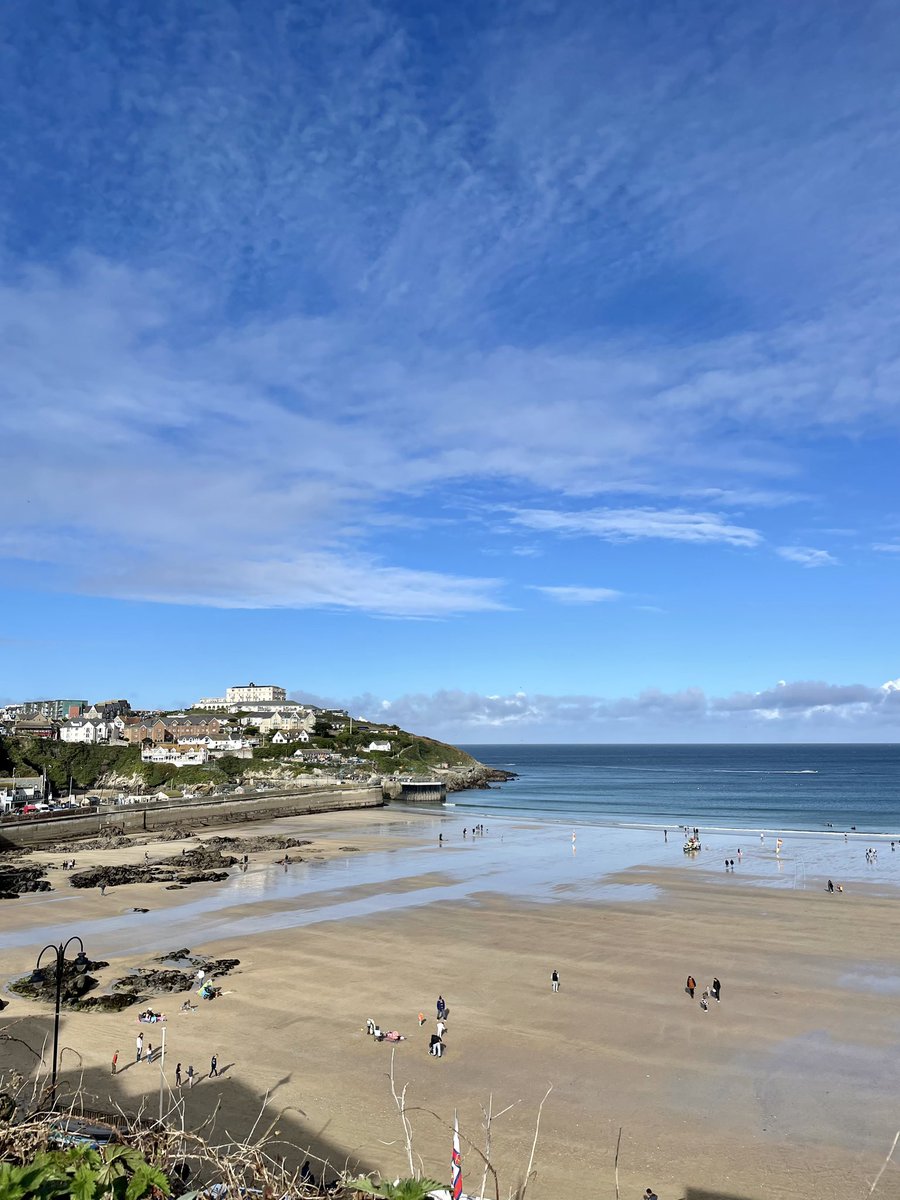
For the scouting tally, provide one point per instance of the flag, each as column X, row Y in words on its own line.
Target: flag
column 455, row 1163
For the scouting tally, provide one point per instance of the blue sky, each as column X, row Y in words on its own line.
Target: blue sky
column 521, row 371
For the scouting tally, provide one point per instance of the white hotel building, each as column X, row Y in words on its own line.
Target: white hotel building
column 245, row 696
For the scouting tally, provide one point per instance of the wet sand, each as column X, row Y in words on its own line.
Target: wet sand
column 787, row 1087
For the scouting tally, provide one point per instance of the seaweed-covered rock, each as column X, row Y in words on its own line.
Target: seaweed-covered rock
column 109, row 1002
column 194, row 866
column 150, row 981
column 76, row 983
column 113, row 875
column 206, row 859
column 16, row 880
column 252, row 845
column 141, row 985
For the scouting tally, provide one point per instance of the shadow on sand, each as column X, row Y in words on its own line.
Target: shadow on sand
column 96, row 1092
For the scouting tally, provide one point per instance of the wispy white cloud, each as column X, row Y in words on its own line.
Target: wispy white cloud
column 806, row 556
column 629, row 524
column 311, row 289
column 887, row 547
column 573, row 594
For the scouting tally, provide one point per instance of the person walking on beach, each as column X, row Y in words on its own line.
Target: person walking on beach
column 139, row 1046
column 704, row 1002
column 190, row 1076
column 102, row 889
column 213, row 1067
column 178, row 1075
column 717, row 990
column 148, row 1057
column 690, row 985
column 435, row 1046
column 441, row 1029
column 115, row 1060
column 554, row 980
column 441, row 1007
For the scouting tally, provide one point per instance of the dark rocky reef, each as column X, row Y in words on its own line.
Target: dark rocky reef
column 478, row 776
column 77, row 981
column 251, row 845
column 192, row 866
column 176, row 972
column 14, row 880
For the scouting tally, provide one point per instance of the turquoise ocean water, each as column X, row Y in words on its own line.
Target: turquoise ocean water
column 801, row 787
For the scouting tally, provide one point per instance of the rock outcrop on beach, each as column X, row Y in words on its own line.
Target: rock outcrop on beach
column 478, row 776
column 201, row 865
column 252, row 845
column 77, row 981
column 15, row 880
column 177, row 972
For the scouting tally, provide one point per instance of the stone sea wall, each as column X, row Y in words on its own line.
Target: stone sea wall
column 167, row 814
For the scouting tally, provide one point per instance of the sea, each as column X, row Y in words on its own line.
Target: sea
column 813, row 788
column 566, row 828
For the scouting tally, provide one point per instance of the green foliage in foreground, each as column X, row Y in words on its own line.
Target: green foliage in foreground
column 113, row 1173
column 403, row 1189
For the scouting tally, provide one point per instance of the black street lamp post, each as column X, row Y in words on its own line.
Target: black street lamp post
column 81, row 965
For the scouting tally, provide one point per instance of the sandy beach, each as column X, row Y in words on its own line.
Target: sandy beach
column 786, row 1087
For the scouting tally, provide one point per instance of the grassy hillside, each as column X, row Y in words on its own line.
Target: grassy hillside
column 94, row 766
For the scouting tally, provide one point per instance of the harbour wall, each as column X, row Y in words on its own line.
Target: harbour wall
column 167, row 814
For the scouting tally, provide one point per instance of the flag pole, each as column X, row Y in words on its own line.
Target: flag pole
column 455, row 1162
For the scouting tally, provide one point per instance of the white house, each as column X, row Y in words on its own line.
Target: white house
column 177, row 756
column 88, row 729
column 281, row 737
column 379, row 747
